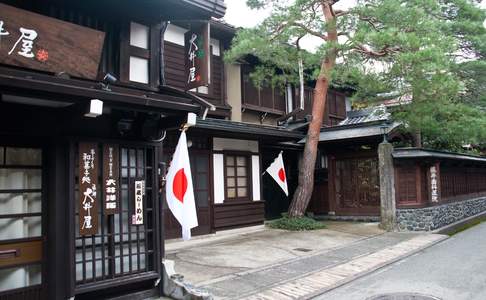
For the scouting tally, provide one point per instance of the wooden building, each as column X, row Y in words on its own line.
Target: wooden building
column 238, row 140
column 432, row 188
column 80, row 150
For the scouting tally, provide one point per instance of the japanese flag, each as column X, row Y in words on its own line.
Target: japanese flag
column 179, row 191
column 277, row 171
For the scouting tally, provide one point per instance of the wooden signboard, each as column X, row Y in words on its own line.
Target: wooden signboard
column 139, row 188
column 111, row 179
column 88, row 182
column 38, row 42
column 197, row 52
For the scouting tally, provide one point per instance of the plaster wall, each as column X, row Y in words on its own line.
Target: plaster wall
column 233, row 90
column 223, row 144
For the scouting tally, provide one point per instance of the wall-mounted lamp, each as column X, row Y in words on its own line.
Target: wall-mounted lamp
column 107, row 80
column 95, row 108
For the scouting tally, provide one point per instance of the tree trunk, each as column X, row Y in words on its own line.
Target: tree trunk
column 417, row 139
column 304, row 190
column 303, row 193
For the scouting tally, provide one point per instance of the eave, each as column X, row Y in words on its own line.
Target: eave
column 215, row 8
column 419, row 153
column 80, row 91
column 248, row 130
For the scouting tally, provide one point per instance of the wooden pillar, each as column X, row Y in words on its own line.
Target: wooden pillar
column 387, row 187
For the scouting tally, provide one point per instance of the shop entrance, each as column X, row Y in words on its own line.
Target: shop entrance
column 122, row 250
column 22, row 234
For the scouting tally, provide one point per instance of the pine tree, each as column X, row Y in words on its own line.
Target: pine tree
column 399, row 47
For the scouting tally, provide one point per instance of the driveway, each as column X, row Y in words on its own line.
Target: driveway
column 205, row 260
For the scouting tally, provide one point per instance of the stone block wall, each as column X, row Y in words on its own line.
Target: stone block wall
column 431, row 218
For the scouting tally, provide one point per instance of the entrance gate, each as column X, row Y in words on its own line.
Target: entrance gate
column 120, row 249
column 356, row 186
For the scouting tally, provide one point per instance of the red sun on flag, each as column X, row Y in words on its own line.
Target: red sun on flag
column 179, row 185
column 281, row 174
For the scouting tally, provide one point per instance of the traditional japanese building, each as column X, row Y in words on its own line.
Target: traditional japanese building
column 238, row 140
column 83, row 108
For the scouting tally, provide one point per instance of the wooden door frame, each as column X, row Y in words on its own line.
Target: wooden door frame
column 333, row 203
column 73, row 289
column 43, row 145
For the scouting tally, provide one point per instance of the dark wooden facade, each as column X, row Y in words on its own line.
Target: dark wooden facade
column 265, row 99
column 45, row 112
column 175, row 74
column 457, row 179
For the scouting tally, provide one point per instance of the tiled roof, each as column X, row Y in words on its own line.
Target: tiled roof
column 373, row 114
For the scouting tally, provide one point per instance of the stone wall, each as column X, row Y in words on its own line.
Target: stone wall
column 430, row 218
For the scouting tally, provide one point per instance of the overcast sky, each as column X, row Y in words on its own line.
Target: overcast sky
column 238, row 14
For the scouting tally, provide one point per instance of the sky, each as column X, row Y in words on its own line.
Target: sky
column 239, row 15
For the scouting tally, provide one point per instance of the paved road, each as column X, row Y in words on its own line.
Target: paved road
column 455, row 269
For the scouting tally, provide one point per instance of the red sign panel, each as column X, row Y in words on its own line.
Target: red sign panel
column 38, row 42
column 197, row 51
column 88, row 182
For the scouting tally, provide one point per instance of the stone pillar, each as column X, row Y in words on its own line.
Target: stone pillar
column 387, row 187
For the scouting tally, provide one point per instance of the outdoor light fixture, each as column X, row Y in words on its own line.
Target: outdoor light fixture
column 95, row 108
column 383, row 130
column 107, row 80
column 191, row 120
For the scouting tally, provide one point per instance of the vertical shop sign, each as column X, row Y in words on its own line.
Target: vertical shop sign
column 111, row 179
column 197, row 52
column 88, row 182
column 137, row 218
column 434, row 188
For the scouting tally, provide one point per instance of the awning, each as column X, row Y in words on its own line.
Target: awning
column 347, row 132
column 403, row 153
column 248, row 129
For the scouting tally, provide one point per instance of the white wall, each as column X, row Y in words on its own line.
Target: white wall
column 220, row 144
column 255, row 172
column 218, row 178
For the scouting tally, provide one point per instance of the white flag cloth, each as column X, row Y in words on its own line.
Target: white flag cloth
column 277, row 171
column 179, row 191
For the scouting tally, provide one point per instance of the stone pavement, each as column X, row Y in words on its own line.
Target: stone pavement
column 275, row 264
column 451, row 270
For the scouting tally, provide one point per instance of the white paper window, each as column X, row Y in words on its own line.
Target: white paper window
column 215, row 46
column 139, row 35
column 139, row 69
column 201, row 90
column 175, row 34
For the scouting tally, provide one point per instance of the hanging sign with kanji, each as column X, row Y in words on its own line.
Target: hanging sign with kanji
column 111, row 179
column 34, row 41
column 88, row 182
column 137, row 218
column 197, row 52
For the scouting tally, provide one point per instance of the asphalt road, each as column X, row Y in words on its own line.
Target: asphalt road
column 454, row 269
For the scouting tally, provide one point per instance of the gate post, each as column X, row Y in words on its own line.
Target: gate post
column 387, row 187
